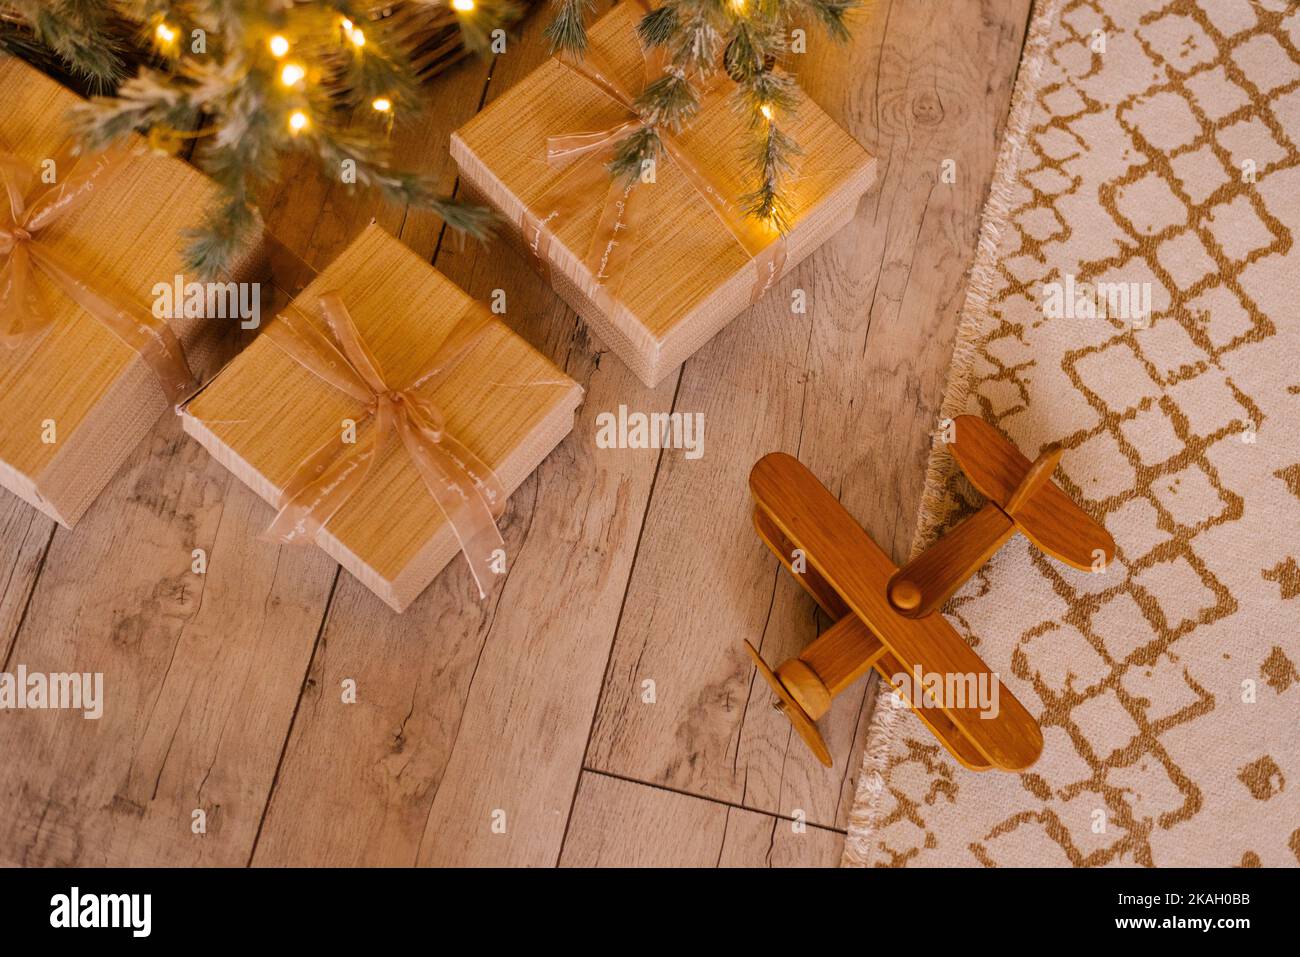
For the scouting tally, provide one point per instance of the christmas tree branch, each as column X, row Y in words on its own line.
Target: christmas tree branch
column 277, row 78
column 78, row 31
column 567, row 31
column 748, row 38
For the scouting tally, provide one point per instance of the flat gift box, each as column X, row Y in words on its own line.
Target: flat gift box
column 265, row 413
column 76, row 381
column 688, row 276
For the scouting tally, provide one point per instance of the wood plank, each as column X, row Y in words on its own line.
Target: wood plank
column 467, row 709
column 852, row 388
column 203, row 678
column 199, row 681
column 24, row 536
column 621, row 823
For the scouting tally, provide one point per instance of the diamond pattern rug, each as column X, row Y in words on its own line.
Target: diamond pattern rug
column 1152, row 148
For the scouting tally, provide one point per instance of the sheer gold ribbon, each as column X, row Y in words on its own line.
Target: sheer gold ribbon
column 464, row 487
column 31, row 210
column 624, row 208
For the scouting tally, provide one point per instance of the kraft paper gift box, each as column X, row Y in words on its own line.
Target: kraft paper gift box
column 683, row 273
column 75, row 398
column 267, row 413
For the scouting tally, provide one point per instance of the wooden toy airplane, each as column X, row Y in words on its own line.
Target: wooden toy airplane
column 887, row 618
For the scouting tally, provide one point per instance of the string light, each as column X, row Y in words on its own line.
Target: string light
column 297, row 121
column 292, row 74
column 766, row 110
column 279, row 46
column 464, row 6
column 165, row 33
column 382, row 104
column 358, row 38
column 346, row 24
column 738, row 6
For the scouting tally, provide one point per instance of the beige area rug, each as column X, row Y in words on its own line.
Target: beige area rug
column 1167, row 687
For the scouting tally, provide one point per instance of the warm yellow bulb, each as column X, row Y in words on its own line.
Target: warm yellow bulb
column 279, row 46
column 738, row 5
column 766, row 110
column 298, row 121
column 464, row 6
column 346, row 24
column 292, row 74
column 382, row 103
column 358, row 38
column 165, row 34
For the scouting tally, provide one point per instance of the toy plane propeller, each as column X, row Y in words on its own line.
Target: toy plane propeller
column 886, row 617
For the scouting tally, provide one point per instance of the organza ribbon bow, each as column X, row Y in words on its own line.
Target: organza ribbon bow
column 464, row 487
column 625, row 201
column 29, row 212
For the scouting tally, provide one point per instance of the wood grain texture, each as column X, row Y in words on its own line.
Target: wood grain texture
column 810, row 517
column 464, row 709
column 266, row 413
column 199, row 682
column 655, row 314
column 921, row 586
column 620, row 823
column 205, row 718
column 851, row 387
column 24, row 536
column 125, row 238
column 1048, row 517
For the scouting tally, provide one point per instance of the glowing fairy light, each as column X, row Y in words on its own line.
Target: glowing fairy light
column 279, row 46
column 766, row 110
column 165, row 33
column 382, row 104
column 292, row 74
column 464, row 6
column 298, row 121
column 358, row 38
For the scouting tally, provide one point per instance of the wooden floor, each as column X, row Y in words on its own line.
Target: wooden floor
column 517, row 732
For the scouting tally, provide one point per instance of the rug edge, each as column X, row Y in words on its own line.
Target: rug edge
column 975, row 316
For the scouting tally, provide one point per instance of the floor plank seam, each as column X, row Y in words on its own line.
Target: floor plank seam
column 705, row 797
column 618, row 623
column 27, row 603
column 293, row 720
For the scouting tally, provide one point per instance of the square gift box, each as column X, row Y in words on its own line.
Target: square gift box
column 419, row 356
column 86, row 368
column 666, row 279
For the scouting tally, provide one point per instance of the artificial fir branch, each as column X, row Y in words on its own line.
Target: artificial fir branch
column 567, row 30
column 748, row 39
column 668, row 101
column 634, row 151
column 78, row 31
column 772, row 155
column 831, row 14
column 346, row 78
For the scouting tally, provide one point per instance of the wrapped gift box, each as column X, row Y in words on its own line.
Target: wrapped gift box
column 265, row 414
column 687, row 275
column 75, row 399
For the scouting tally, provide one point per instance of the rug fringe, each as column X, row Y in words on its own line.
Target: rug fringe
column 976, row 316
